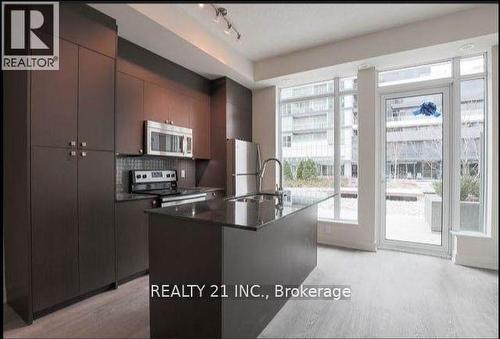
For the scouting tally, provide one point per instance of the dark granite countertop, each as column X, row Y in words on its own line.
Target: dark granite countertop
column 244, row 214
column 133, row 196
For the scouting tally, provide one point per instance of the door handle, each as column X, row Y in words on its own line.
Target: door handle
column 84, row 154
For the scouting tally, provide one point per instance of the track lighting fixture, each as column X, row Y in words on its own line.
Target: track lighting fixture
column 221, row 15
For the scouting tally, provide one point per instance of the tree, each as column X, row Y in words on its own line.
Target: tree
column 307, row 170
column 469, row 188
column 287, row 171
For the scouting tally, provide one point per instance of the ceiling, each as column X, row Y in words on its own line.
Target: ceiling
column 269, row 30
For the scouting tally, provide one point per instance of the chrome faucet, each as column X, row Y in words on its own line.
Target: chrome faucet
column 262, row 170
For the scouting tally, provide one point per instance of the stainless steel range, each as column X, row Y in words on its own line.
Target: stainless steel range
column 164, row 185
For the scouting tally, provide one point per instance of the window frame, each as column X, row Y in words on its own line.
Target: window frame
column 415, row 84
column 457, row 128
column 455, row 82
column 337, row 126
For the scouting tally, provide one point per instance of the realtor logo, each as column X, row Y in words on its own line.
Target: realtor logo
column 30, row 39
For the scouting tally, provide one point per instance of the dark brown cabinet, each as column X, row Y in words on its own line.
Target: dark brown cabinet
column 167, row 105
column 180, row 107
column 59, row 222
column 129, row 114
column 131, row 237
column 87, row 27
column 200, row 123
column 231, row 118
column 96, row 245
column 155, row 102
column 96, row 88
column 54, row 225
column 73, row 223
column 54, row 100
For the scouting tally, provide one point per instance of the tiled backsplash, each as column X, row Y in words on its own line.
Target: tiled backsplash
column 124, row 164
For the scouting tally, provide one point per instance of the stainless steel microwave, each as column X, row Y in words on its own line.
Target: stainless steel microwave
column 169, row 140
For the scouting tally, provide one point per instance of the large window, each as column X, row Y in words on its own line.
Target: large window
column 319, row 143
column 472, row 143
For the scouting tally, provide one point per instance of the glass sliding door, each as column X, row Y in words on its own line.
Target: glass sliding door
column 415, row 185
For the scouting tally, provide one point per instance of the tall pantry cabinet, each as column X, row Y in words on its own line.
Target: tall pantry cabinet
column 59, row 170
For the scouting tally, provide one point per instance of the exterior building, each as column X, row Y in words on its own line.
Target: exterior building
column 414, row 142
column 307, row 125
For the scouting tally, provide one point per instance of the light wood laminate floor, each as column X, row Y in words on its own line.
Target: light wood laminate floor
column 393, row 295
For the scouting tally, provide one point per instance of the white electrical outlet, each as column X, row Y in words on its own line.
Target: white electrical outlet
column 183, row 173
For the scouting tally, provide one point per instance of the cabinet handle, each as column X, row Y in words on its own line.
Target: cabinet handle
column 84, row 154
column 72, row 143
column 72, row 153
column 140, row 151
column 154, row 202
column 84, row 144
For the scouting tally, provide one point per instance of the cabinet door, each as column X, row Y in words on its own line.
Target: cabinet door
column 180, row 107
column 96, row 219
column 129, row 114
column 55, row 228
column 200, row 121
column 96, row 101
column 131, row 237
column 54, row 100
column 155, row 103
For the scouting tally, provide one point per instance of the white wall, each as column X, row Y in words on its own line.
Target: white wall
column 363, row 234
column 265, row 129
column 474, row 250
column 479, row 21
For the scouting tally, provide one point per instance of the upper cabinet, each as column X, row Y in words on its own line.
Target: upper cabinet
column 238, row 105
column 87, row 27
column 96, row 101
column 54, row 101
column 180, row 107
column 171, row 94
column 129, row 114
column 83, row 113
column 200, row 122
column 155, row 103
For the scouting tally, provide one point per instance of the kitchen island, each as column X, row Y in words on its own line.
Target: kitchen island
column 223, row 244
